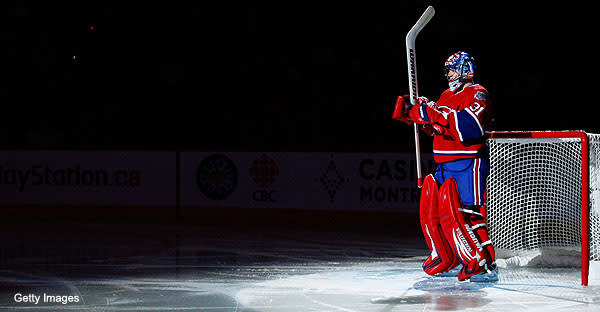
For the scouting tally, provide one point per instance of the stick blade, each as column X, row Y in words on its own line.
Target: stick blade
column 420, row 24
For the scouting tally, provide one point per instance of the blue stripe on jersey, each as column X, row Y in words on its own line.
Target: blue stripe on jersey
column 423, row 112
column 468, row 126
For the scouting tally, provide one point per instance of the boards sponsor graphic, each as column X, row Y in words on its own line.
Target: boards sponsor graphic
column 217, row 176
column 301, row 180
column 332, row 180
column 264, row 172
column 208, row 180
column 95, row 178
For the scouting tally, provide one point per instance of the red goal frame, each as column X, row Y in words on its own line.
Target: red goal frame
column 585, row 183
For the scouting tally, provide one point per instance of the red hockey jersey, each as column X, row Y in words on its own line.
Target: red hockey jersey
column 468, row 113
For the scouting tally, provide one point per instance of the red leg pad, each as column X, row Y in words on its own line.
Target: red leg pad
column 442, row 257
column 459, row 233
column 476, row 220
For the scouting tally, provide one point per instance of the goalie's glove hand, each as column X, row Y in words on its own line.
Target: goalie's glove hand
column 403, row 107
column 428, row 113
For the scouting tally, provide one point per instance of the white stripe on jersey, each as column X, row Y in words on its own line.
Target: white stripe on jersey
column 455, row 152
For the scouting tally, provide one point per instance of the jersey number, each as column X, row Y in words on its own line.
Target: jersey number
column 476, row 108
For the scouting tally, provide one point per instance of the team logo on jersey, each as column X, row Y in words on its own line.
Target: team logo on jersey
column 480, row 96
column 446, row 110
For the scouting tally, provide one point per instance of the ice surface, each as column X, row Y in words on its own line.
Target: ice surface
column 212, row 270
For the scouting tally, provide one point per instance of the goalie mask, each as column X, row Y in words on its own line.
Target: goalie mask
column 462, row 62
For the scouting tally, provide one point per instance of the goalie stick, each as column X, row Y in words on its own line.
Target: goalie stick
column 411, row 59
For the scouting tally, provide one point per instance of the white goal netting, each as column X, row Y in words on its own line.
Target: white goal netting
column 534, row 200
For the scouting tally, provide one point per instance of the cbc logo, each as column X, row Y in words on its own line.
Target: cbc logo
column 264, row 195
column 264, row 171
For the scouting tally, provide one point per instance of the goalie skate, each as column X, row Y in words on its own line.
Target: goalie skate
column 490, row 274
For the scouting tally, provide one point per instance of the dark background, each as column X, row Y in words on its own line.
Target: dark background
column 277, row 75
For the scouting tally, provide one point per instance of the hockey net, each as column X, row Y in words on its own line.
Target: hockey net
column 543, row 199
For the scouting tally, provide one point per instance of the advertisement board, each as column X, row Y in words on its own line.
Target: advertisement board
column 301, row 180
column 88, row 178
column 279, row 180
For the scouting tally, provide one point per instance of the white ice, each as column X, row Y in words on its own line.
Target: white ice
column 402, row 286
column 274, row 271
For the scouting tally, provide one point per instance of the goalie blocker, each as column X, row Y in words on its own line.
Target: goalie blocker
column 454, row 233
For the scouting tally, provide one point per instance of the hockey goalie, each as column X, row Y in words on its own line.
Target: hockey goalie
column 452, row 204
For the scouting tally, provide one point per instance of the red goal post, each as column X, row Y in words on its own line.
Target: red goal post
column 540, row 195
